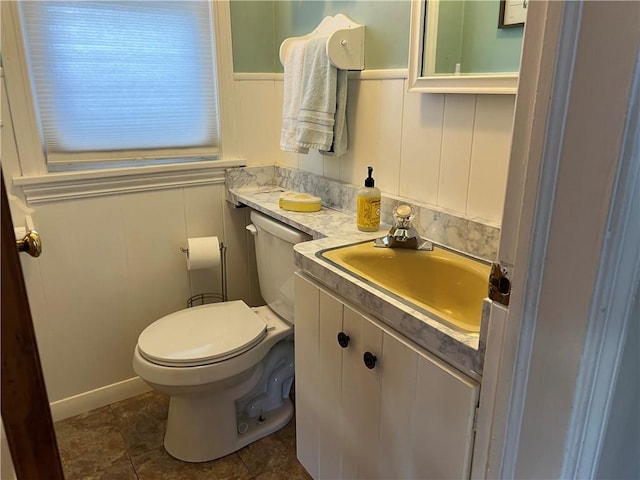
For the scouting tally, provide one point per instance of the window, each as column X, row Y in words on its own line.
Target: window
column 123, row 81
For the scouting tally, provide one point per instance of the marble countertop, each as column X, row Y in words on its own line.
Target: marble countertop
column 332, row 228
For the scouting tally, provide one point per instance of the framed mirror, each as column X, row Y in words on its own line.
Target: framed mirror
column 465, row 46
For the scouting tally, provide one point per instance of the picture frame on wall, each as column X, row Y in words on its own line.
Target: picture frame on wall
column 513, row 13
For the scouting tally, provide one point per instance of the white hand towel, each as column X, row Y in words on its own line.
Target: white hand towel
column 318, row 101
column 339, row 146
column 292, row 88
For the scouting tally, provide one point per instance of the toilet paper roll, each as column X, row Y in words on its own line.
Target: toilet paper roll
column 204, row 252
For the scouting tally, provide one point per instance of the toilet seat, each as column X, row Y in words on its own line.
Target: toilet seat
column 202, row 335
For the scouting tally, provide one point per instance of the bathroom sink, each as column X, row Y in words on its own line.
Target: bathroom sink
column 441, row 282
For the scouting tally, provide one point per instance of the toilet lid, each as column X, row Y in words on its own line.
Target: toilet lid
column 202, row 335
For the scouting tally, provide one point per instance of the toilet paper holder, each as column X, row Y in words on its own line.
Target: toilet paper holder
column 202, row 298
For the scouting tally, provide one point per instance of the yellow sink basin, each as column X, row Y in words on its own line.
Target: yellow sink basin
column 447, row 284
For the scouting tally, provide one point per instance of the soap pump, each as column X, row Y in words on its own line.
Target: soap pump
column 368, row 205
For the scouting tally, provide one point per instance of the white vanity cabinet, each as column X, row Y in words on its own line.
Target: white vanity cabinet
column 409, row 416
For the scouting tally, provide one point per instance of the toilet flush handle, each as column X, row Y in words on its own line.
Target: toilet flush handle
column 252, row 228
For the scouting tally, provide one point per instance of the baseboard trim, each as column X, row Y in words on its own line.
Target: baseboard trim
column 100, row 397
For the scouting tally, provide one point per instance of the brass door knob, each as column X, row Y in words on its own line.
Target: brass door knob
column 31, row 244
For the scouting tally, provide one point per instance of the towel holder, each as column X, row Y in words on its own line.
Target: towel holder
column 345, row 45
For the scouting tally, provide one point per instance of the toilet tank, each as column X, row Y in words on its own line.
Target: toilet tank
column 274, row 257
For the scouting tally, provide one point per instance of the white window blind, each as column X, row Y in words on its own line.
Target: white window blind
column 125, row 80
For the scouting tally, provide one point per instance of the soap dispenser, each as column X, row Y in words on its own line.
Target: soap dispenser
column 369, row 205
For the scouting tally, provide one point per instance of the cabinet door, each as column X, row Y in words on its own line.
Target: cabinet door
column 443, row 433
column 411, row 416
column 360, row 398
column 307, row 300
column 399, row 367
column 329, row 389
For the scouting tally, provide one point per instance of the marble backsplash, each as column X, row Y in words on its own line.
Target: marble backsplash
column 463, row 234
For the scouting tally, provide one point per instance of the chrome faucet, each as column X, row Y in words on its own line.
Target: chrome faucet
column 403, row 234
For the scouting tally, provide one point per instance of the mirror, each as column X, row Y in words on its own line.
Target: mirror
column 466, row 46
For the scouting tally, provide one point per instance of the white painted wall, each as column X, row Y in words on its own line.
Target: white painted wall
column 111, row 264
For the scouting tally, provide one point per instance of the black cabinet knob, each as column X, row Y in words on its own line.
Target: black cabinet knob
column 369, row 360
column 343, row 340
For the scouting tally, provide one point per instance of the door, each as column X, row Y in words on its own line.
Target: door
column 402, row 414
column 443, row 440
column 569, row 241
column 25, row 408
column 361, row 397
column 337, row 397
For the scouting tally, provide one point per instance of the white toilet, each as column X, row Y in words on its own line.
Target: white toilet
column 228, row 368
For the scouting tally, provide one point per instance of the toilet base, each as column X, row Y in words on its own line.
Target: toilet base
column 185, row 446
column 208, row 423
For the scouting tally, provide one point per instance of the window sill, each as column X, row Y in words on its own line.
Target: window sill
column 54, row 187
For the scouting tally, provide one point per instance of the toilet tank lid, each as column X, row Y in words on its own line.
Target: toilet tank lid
column 278, row 229
column 202, row 335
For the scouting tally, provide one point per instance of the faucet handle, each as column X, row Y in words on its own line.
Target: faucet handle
column 403, row 215
column 404, row 210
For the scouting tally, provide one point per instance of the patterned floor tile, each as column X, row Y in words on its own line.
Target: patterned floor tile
column 142, row 421
column 159, row 465
column 274, row 453
column 123, row 441
column 90, row 443
column 122, row 470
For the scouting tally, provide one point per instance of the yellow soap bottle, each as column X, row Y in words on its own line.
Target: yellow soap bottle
column 369, row 205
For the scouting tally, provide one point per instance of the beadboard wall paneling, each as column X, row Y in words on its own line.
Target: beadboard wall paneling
column 490, row 156
column 258, row 133
column 422, row 124
column 447, row 150
column 111, row 266
column 455, row 155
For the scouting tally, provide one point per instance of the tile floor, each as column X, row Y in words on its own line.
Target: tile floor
column 123, row 441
